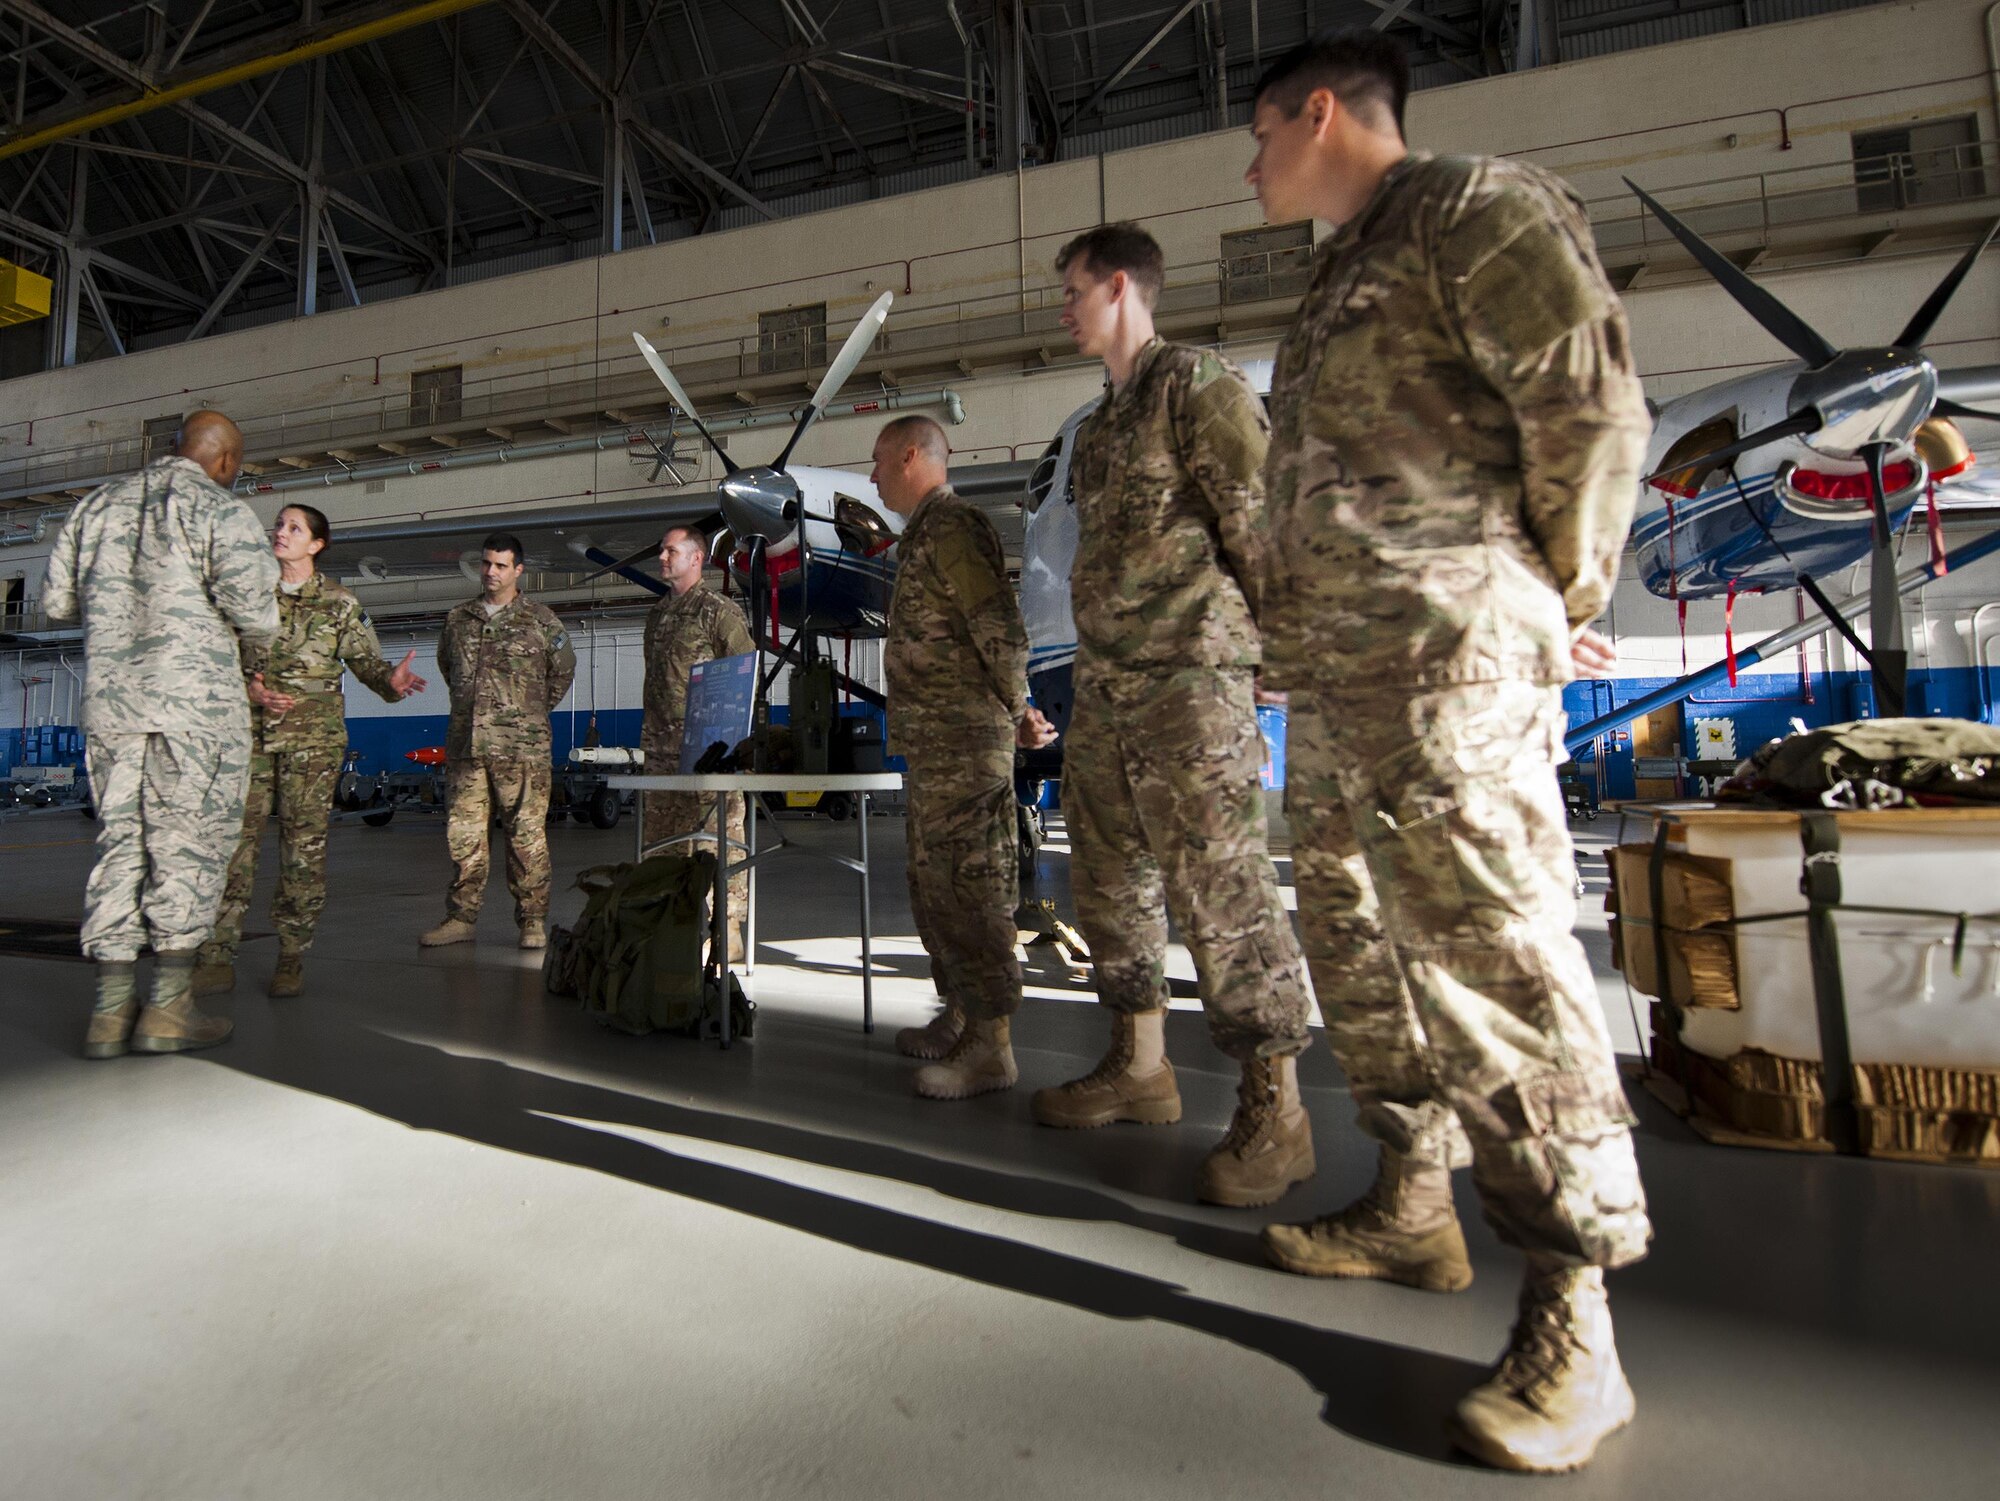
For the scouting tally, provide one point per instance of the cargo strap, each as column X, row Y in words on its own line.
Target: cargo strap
column 1656, row 896
column 1819, row 881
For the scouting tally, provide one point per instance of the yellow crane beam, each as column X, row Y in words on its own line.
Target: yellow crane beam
column 160, row 98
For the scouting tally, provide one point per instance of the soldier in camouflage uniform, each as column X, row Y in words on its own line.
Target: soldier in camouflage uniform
column 170, row 575
column 690, row 625
column 1160, row 772
column 298, row 729
column 508, row 663
column 956, row 659
column 1458, row 433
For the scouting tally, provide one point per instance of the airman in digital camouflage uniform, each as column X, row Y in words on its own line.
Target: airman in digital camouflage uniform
column 508, row 663
column 170, row 574
column 298, row 731
column 1458, row 432
column 692, row 624
column 956, row 660
column 1160, row 772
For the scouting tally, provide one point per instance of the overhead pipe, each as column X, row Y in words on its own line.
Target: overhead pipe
column 256, row 67
column 1848, row 609
column 510, row 453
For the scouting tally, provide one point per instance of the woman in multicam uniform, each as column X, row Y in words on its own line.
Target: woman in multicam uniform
column 298, row 739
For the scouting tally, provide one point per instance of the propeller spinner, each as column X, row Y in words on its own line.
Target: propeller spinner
column 1847, row 404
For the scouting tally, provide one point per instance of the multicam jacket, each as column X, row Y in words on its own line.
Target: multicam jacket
column 1458, row 434
column 682, row 630
column 506, row 673
column 167, row 571
column 321, row 630
column 956, row 658
column 1169, row 483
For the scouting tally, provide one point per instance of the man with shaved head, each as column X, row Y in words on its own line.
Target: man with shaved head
column 170, row 574
column 956, row 660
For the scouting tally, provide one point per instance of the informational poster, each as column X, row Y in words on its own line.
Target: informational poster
column 721, row 695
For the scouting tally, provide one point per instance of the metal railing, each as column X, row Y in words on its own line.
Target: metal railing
column 600, row 392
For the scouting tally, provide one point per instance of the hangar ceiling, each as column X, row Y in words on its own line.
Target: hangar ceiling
column 183, row 166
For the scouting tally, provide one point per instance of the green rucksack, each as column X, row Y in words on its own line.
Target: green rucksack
column 634, row 957
column 1876, row 763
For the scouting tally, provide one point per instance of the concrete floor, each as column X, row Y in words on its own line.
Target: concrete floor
column 426, row 1233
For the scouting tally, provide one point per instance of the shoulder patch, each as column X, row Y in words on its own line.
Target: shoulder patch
column 1208, row 366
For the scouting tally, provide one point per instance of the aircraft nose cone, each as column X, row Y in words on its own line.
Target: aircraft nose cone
column 755, row 503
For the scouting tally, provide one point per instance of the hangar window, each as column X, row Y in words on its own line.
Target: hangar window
column 157, row 436
column 1929, row 161
column 436, row 395
column 13, row 590
column 1274, row 260
column 792, row 338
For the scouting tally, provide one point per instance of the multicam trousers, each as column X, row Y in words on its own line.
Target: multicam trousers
column 170, row 807
column 1436, row 899
column 964, row 874
column 1165, row 813
column 512, row 791
column 298, row 786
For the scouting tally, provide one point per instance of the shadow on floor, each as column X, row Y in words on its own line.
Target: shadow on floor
column 1380, row 1393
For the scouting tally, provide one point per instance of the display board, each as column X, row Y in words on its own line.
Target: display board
column 721, row 694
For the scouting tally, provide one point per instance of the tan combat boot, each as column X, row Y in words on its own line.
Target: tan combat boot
column 289, row 979
column 214, row 971
column 110, row 1030
column 1269, row 1146
column 451, row 930
column 1404, row 1229
column 935, row 1037
column 1559, row 1388
column 171, row 1023
column 1132, row 1082
column 736, row 948
column 981, row 1061
column 534, row 934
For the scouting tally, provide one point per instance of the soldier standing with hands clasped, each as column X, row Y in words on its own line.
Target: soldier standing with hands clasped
column 692, row 624
column 298, row 729
column 508, row 663
column 1458, row 433
column 1161, row 784
column 170, row 575
column 956, row 660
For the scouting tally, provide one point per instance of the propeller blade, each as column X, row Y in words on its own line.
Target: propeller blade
column 1954, row 409
column 1799, row 423
column 1777, row 320
column 729, row 466
column 842, row 367
column 1888, row 662
column 651, row 549
column 1919, row 328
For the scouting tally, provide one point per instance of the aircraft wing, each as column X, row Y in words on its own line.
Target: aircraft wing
column 557, row 539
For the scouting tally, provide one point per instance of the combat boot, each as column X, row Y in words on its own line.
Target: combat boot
column 110, row 1030
column 289, row 979
column 1558, row 1389
column 935, row 1037
column 982, row 1060
column 1132, row 1082
column 451, row 930
column 171, row 1023
column 1404, row 1229
column 736, row 949
column 534, row 934
column 1269, row 1146
column 214, row 971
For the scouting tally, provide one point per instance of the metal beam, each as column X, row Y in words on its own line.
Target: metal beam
column 673, row 152
column 234, row 285
column 103, row 313
column 240, row 139
column 1145, row 51
column 388, row 20
column 1443, row 30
